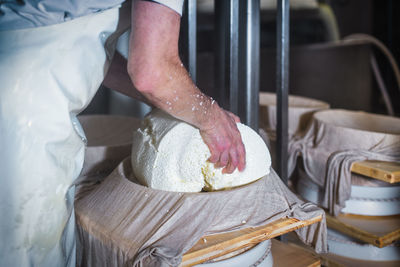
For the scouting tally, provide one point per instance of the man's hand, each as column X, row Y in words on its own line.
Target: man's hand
column 158, row 73
column 224, row 140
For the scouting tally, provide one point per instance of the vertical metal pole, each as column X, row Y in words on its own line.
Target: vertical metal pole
column 249, row 58
column 282, row 84
column 189, row 40
column 219, row 53
column 227, row 55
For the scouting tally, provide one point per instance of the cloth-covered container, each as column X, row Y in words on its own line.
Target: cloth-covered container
column 109, row 141
column 300, row 114
column 335, row 140
column 122, row 223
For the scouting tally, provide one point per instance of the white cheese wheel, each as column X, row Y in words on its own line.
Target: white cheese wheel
column 169, row 154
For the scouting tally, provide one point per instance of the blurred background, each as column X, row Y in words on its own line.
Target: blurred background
column 323, row 65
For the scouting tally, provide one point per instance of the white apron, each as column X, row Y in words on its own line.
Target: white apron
column 47, row 76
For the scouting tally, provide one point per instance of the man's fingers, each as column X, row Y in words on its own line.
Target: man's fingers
column 215, row 154
column 233, row 162
column 223, row 160
column 225, row 143
column 241, row 157
column 233, row 116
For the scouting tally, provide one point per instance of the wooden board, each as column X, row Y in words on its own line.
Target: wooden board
column 214, row 246
column 379, row 231
column 381, row 170
column 290, row 255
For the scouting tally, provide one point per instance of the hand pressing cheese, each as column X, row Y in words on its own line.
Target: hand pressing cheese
column 169, row 154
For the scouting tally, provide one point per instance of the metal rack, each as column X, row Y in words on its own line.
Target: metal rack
column 237, row 60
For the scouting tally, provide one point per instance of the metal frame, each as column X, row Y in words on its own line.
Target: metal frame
column 188, row 39
column 249, row 62
column 282, row 85
column 227, row 53
column 237, row 62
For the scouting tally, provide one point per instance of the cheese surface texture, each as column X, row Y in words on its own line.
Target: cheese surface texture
column 169, row 154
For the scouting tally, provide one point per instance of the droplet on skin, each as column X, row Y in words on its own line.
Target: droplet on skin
column 193, row 108
column 204, row 240
column 201, row 103
column 212, row 102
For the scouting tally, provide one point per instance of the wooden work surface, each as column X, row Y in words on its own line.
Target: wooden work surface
column 214, row 246
column 290, row 255
column 381, row 170
column 379, row 231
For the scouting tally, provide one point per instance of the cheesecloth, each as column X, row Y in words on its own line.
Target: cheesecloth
column 122, row 223
column 334, row 141
column 300, row 114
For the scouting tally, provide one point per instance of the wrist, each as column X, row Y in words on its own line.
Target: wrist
column 210, row 117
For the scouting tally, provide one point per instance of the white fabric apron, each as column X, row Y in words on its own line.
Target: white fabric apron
column 47, row 76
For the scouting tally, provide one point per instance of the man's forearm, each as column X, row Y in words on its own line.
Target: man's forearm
column 174, row 92
column 158, row 73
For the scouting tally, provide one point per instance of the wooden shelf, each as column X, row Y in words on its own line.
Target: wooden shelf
column 381, row 170
column 215, row 246
column 379, row 231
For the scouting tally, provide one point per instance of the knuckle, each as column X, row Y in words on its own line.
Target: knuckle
column 224, row 145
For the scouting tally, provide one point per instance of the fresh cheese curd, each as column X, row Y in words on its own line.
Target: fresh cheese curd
column 169, row 154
